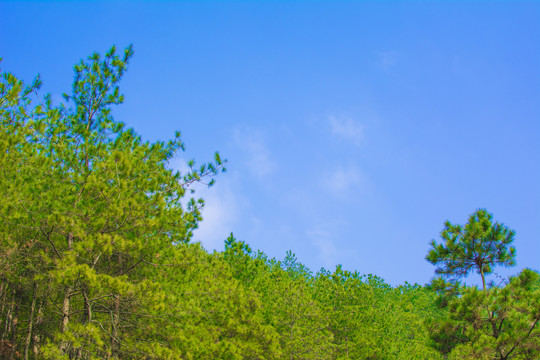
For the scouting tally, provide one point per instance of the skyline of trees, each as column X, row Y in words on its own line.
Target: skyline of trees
column 96, row 258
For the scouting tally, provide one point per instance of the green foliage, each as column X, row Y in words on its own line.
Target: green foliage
column 496, row 323
column 500, row 323
column 291, row 309
column 96, row 259
column 478, row 245
column 88, row 207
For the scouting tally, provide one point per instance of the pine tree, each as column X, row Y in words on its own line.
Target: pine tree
column 478, row 245
column 496, row 323
column 88, row 206
column 501, row 324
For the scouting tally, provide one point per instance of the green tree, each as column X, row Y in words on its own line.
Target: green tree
column 371, row 320
column 290, row 307
column 288, row 303
column 478, row 245
column 403, row 314
column 210, row 314
column 501, row 324
column 23, row 169
column 87, row 206
column 496, row 323
column 349, row 304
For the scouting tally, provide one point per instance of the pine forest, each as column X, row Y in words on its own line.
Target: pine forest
column 97, row 259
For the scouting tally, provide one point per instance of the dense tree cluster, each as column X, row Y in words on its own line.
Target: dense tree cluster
column 96, row 260
column 499, row 323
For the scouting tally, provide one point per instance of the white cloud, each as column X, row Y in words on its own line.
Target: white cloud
column 347, row 129
column 321, row 238
column 387, row 59
column 221, row 210
column 342, row 182
column 220, row 213
column 259, row 158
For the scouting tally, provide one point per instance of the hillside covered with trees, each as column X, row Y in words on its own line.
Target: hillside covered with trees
column 97, row 262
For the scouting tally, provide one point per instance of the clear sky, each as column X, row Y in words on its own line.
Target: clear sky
column 353, row 130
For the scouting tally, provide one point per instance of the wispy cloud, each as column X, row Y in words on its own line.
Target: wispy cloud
column 321, row 237
column 343, row 181
column 387, row 59
column 221, row 210
column 258, row 156
column 347, row 129
column 220, row 213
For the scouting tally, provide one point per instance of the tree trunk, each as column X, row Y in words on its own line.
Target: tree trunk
column 30, row 324
column 87, row 314
column 15, row 322
column 66, row 304
column 65, row 317
column 8, row 313
column 36, row 336
column 2, row 302
column 116, row 319
column 7, row 327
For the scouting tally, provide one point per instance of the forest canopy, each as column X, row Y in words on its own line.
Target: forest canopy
column 97, row 259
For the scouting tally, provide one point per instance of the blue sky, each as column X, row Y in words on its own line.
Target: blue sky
column 353, row 130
